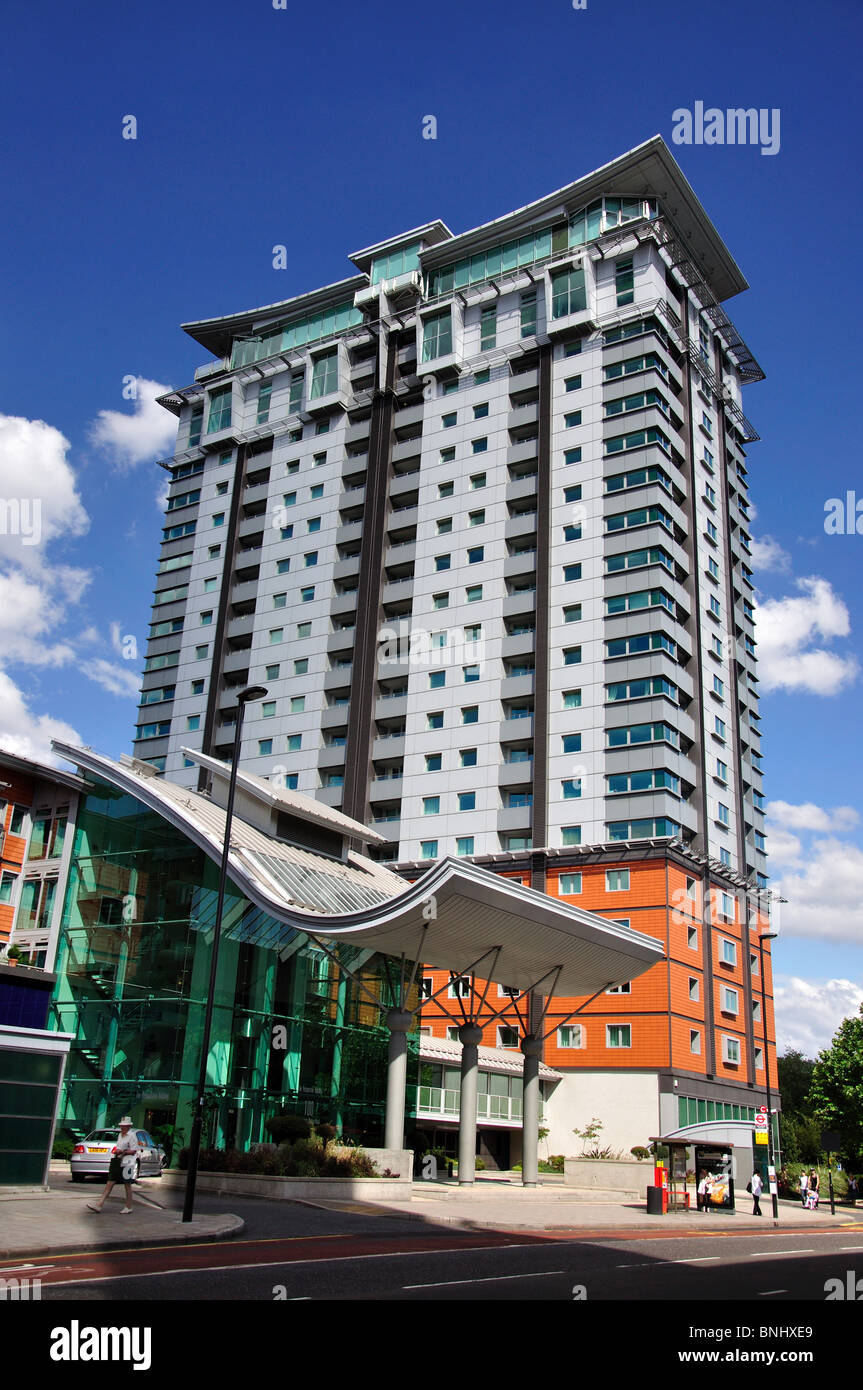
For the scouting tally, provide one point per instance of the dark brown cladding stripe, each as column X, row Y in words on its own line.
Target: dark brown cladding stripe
column 216, row 666
column 355, row 801
column 539, row 821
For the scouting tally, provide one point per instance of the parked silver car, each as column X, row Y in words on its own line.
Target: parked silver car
column 92, row 1156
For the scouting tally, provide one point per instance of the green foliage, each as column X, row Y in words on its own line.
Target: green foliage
column 552, row 1165
column 801, row 1138
column 307, row 1157
column 591, row 1147
column 836, row 1093
column 283, row 1128
column 640, row 1152
column 795, row 1078
column 63, row 1148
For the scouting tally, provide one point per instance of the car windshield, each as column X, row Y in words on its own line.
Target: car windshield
column 102, row 1136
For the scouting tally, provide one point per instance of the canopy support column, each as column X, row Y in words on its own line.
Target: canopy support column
column 469, row 1037
column 399, row 1022
column 532, row 1050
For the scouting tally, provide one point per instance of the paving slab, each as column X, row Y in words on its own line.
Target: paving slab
column 54, row 1223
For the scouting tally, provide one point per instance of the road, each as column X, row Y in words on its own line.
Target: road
column 294, row 1252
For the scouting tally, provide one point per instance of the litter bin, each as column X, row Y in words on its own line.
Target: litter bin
column 655, row 1203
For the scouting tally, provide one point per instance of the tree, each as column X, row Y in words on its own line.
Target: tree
column 836, row 1093
column 795, row 1078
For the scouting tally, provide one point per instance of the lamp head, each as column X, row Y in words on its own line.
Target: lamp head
column 251, row 692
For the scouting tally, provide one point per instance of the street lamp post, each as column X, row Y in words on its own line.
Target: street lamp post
column 774, row 1182
column 252, row 692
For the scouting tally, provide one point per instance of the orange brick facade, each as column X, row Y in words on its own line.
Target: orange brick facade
column 691, row 1015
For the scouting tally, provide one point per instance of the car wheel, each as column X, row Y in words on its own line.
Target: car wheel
column 78, row 1177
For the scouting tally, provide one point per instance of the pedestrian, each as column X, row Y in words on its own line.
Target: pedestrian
column 756, row 1187
column 804, row 1184
column 121, row 1168
column 852, row 1190
column 812, row 1192
column 703, row 1191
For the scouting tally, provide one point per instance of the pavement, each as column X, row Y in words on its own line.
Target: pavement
column 58, row 1221
column 502, row 1205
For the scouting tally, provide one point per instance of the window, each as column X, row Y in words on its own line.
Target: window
column 294, row 743
column 572, row 533
column 624, row 283
column 618, row 1035
column 694, row 1041
column 476, row 518
column 568, row 293
column 719, row 727
column 470, row 714
column 197, row 688
column 219, row 519
column 715, row 607
column 467, row 801
column 464, row 844
column 626, row 987
column 571, row 789
column 470, row 674
column 712, row 533
column 442, row 562
column 527, row 310
column 314, row 522
column 325, row 374
column 724, row 814
column 477, row 481
column 298, row 704
column 448, row 420
column 444, row 526
column 506, row 1036
column 572, row 656
column 433, row 762
column 201, row 653
column 616, row 880
column 196, row 420
column 467, row 757
column 437, row 679
column 571, row 743
column 265, row 746
column 730, row 1000
column 431, row 805
column 570, row 1035
column 488, row 328
column 731, row 1051
column 428, row 849
column 473, row 594
column 440, row 600
column 280, row 600
column 572, row 699
column 268, row 709
column 569, row 884
column 693, row 988
column 435, row 720
column 307, row 595
column 692, row 938
column 479, row 446
column 475, row 555
column 303, row 630
column 570, row 835
column 445, row 489
column 437, row 335
column 220, row 410
column 728, row 953
column 721, row 770
column 571, row 573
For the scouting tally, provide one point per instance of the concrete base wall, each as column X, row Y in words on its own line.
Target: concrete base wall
column 399, row 1161
column 294, row 1189
column 627, row 1103
column 609, row 1174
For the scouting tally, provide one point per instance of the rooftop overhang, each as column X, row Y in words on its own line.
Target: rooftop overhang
column 649, row 168
column 456, row 917
column 217, row 335
column 14, row 762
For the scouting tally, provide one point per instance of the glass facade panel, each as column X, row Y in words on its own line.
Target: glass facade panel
column 290, row 1032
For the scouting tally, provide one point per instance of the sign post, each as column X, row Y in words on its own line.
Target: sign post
column 831, row 1141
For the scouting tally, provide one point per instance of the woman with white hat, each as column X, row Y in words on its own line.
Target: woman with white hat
column 122, row 1167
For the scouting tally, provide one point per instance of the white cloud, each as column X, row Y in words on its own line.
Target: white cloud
column 823, row 884
column 787, row 630
column 767, row 554
column 39, row 491
column 139, row 437
column 29, row 615
column 25, row 732
column 808, row 816
column 808, row 1012
column 119, row 680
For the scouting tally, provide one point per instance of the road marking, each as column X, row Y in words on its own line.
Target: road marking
column 851, row 1247
column 279, row 1264
column 19, row 1269
column 693, row 1260
column 491, row 1279
column 767, row 1292
column 753, row 1254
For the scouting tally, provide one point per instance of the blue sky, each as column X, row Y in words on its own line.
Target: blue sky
column 259, row 126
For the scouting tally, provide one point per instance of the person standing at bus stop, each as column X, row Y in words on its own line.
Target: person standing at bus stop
column 121, row 1167
column 756, row 1187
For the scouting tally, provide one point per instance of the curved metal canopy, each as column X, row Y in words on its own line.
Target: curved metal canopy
column 454, row 916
